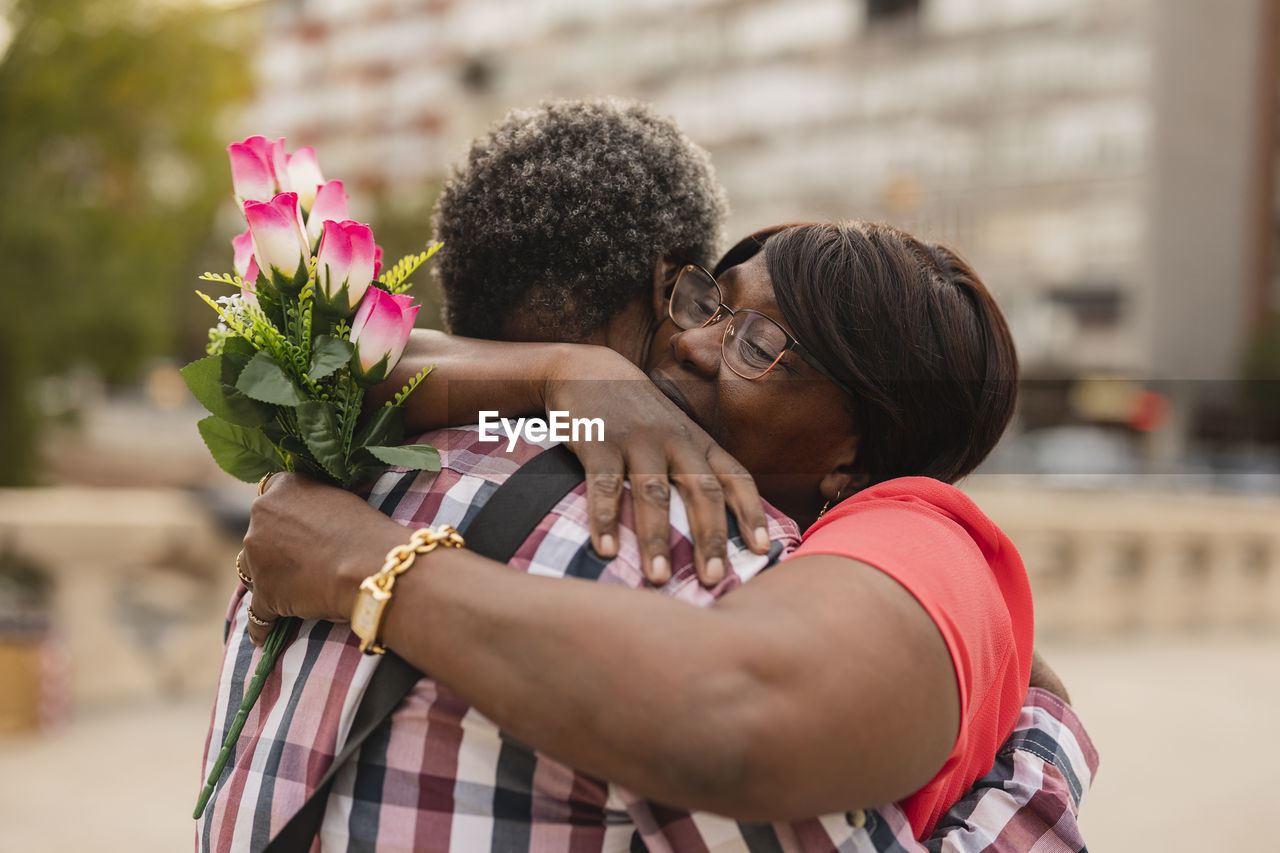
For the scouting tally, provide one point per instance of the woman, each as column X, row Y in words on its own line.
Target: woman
column 853, row 371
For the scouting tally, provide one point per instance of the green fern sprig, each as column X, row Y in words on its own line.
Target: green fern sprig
column 305, row 301
column 223, row 278
column 409, row 386
column 349, row 411
column 396, row 279
column 265, row 335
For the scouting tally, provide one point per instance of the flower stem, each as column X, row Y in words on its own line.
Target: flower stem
column 271, row 650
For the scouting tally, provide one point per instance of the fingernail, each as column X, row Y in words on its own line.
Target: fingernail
column 607, row 546
column 762, row 537
column 659, row 569
column 715, row 569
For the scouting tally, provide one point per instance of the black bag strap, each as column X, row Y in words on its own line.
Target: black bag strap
column 497, row 531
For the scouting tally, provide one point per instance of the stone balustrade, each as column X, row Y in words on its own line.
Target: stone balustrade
column 140, row 577
column 1111, row 562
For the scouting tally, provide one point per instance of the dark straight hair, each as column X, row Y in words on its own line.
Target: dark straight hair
column 910, row 327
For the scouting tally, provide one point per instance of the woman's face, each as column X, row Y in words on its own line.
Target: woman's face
column 791, row 428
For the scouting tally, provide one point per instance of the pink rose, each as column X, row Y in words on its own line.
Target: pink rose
column 245, row 265
column 279, row 244
column 379, row 332
column 344, row 265
column 330, row 203
column 304, row 175
column 258, row 168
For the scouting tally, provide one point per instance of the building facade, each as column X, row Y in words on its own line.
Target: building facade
column 1095, row 159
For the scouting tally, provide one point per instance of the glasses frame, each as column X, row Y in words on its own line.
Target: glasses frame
column 793, row 344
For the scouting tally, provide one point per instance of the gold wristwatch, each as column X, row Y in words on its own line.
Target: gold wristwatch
column 375, row 590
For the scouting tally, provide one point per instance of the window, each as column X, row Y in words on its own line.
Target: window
column 884, row 10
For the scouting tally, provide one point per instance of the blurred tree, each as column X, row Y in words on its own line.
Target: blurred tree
column 111, row 171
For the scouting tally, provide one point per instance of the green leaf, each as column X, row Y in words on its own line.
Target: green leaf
column 264, row 379
column 239, row 346
column 420, row 457
column 385, row 427
column 318, row 422
column 204, row 380
column 236, row 354
column 329, row 355
column 244, row 453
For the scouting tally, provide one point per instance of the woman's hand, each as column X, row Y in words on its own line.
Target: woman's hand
column 307, row 549
column 651, row 442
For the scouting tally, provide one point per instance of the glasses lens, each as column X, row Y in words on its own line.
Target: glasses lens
column 752, row 344
column 695, row 298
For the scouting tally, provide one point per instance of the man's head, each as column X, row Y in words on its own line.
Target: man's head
column 554, row 222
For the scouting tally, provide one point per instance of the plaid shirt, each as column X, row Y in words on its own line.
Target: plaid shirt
column 441, row 776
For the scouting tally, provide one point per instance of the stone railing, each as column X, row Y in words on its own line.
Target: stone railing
column 1109, row 562
column 140, row 577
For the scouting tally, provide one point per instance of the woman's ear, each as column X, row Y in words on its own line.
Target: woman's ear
column 845, row 477
column 665, row 271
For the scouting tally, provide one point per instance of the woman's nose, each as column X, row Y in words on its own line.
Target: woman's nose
column 698, row 350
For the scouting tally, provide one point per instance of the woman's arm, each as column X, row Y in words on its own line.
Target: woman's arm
column 469, row 375
column 820, row 686
column 647, row 439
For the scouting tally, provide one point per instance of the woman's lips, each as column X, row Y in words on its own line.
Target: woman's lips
column 673, row 393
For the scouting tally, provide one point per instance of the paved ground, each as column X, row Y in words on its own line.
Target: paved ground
column 1186, row 728
column 1187, row 732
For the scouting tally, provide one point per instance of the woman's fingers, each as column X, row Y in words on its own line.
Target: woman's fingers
column 604, row 467
column 742, row 498
column 651, row 508
column 704, row 502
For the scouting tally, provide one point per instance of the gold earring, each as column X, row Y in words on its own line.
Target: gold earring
column 827, row 505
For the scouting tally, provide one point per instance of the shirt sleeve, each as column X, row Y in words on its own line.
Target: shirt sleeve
column 1031, row 798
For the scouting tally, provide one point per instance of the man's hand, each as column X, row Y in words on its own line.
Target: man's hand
column 307, row 549
column 1043, row 676
column 651, row 442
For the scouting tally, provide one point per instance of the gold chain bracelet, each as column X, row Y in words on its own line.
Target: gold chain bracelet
column 375, row 591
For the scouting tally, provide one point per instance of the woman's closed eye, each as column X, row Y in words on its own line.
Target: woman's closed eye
column 756, row 355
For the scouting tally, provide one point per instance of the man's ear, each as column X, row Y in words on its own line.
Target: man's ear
column 665, row 271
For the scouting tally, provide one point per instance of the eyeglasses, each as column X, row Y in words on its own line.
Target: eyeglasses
column 753, row 342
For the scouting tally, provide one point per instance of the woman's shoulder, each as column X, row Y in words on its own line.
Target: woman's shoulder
column 935, row 541
column 965, row 573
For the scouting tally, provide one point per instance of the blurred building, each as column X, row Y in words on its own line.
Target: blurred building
column 1102, row 162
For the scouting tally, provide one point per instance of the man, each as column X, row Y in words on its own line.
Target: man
column 528, row 256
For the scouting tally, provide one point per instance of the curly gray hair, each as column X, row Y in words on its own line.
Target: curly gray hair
column 560, row 211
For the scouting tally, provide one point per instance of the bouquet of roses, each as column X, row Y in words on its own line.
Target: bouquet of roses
column 313, row 326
